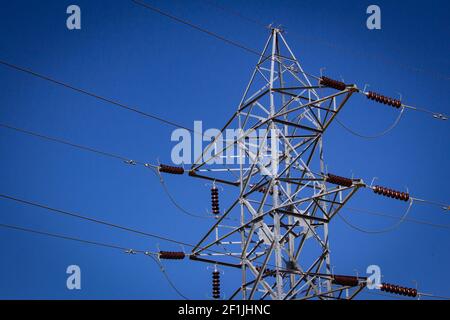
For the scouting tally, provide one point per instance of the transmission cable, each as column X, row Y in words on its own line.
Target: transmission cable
column 79, row 216
column 102, row 222
column 236, row 13
column 64, row 237
column 196, row 27
column 385, row 215
column 93, row 95
column 74, row 145
column 174, row 202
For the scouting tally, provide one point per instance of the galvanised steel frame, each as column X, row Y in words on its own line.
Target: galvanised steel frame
column 276, row 230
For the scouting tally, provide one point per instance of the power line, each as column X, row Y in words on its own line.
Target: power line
column 109, row 224
column 59, row 236
column 79, row 216
column 210, row 33
column 102, row 222
column 380, row 214
column 71, row 144
column 196, row 27
column 236, row 13
column 93, row 95
column 175, row 203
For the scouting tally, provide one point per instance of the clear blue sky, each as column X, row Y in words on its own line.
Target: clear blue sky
column 145, row 60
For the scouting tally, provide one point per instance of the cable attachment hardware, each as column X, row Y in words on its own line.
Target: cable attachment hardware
column 331, row 83
column 215, row 200
column 170, row 169
column 171, row 255
column 130, row 251
column 130, row 162
column 383, row 99
column 404, row 196
column 341, row 181
column 440, row 116
column 387, row 287
column 216, row 284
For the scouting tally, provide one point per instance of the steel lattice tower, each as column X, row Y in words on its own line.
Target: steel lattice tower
column 276, row 230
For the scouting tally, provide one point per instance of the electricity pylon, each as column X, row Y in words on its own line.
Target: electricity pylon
column 276, row 230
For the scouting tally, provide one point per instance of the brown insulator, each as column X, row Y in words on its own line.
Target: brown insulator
column 170, row 169
column 172, row 255
column 350, row 281
column 391, row 193
column 216, row 284
column 341, row 181
column 215, row 200
column 383, row 99
column 387, row 287
column 331, row 83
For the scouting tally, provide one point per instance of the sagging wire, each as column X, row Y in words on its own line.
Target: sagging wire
column 390, row 216
column 386, row 230
column 93, row 95
column 172, row 199
column 375, row 136
column 166, row 276
column 94, row 220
